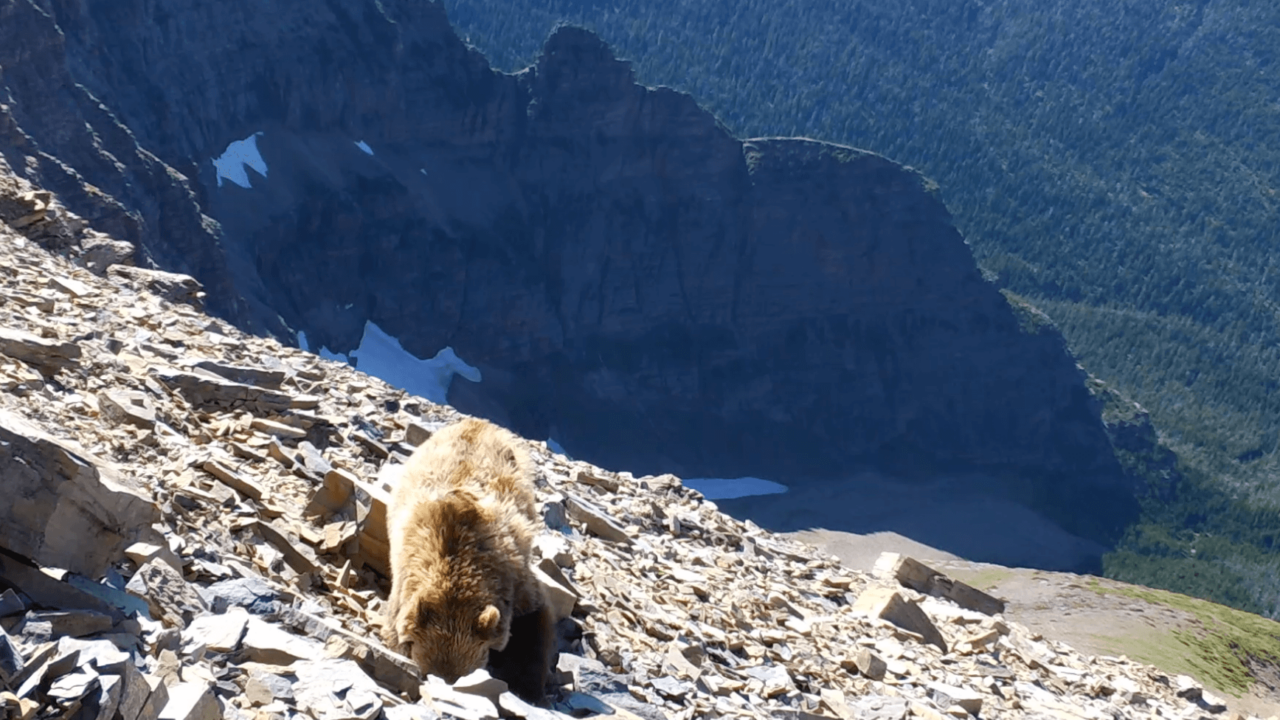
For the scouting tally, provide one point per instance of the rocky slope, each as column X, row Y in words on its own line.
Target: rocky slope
column 196, row 532
column 630, row 279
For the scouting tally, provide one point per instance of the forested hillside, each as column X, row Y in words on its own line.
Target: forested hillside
column 1114, row 163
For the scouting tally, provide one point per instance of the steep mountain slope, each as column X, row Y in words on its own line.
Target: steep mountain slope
column 254, row 478
column 626, row 275
column 1117, row 159
column 1114, row 163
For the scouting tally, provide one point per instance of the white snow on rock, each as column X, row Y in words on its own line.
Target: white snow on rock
column 724, row 489
column 364, row 146
column 322, row 352
column 239, row 155
column 380, row 355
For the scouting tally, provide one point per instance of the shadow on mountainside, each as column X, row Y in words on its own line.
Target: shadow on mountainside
column 965, row 515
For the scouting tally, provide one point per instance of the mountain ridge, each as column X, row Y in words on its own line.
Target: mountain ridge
column 250, row 574
column 618, row 266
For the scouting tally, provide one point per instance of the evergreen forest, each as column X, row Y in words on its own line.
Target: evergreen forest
column 1114, row 162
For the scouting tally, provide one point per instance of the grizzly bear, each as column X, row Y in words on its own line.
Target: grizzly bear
column 461, row 524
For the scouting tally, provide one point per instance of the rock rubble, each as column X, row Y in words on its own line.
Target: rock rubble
column 225, row 497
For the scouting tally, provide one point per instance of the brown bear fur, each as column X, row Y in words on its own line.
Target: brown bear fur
column 461, row 524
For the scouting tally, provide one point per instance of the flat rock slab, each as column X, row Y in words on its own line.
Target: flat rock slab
column 246, row 374
column 888, row 604
column 251, row 593
column 191, row 701
column 128, row 406
column 269, row 644
column 49, row 355
column 174, row 287
column 595, row 520
column 205, row 390
column 73, row 623
column 922, row 578
column 219, row 633
column 336, row 690
column 69, row 510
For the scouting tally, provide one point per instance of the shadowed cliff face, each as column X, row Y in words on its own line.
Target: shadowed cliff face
column 654, row 292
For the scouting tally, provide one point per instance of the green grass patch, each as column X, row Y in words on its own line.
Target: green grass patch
column 984, row 579
column 1216, row 649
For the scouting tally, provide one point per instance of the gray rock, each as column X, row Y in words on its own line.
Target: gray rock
column 99, row 252
column 247, row 374
column 219, row 633
column 205, row 389
column 168, row 596
column 269, row 687
column 128, row 406
column 43, row 353
column 34, row 631
column 11, row 604
column 335, row 690
column 73, row 623
column 879, row 707
column 270, row 644
column 103, row 655
column 78, row 514
column 174, row 287
column 410, row 712
column 73, row 686
column 513, row 706
column 11, row 661
column 251, row 593
column 191, row 701
column 417, row 433
column 134, row 692
column 590, row 676
column 312, row 459
column 595, row 520
column 888, row 604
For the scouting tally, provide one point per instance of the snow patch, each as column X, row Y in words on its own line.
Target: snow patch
column 322, row 352
column 382, row 356
column 364, row 146
column 239, row 155
column 724, row 489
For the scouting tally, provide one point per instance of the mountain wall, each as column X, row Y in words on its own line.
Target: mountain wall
column 632, row 280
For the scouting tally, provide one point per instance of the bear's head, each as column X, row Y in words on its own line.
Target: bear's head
column 451, row 637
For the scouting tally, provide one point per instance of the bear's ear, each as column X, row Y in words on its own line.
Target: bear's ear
column 487, row 625
column 424, row 614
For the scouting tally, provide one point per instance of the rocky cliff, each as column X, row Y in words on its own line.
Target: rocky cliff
column 231, row 495
column 631, row 279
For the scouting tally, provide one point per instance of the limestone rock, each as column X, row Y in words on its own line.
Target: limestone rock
column 168, row 596
column 219, row 633
column 70, row 510
column 268, row 643
column 888, row 604
column 99, row 252
column 917, row 576
column 174, row 287
column 595, row 520
column 207, row 390
column 191, row 701
column 128, row 406
column 48, row 355
column 336, row 690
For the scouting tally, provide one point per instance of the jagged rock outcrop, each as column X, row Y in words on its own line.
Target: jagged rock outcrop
column 631, row 279
column 262, row 599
